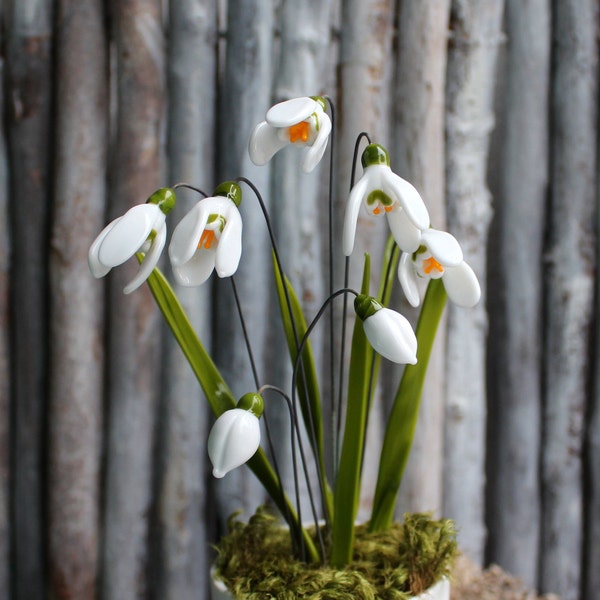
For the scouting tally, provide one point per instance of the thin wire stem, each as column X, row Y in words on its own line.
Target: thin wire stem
column 311, row 427
column 265, row 417
column 190, row 187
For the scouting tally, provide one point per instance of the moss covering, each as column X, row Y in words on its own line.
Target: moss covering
column 256, row 562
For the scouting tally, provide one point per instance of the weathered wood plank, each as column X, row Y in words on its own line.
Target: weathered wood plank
column 5, row 375
column 419, row 92
column 475, row 35
column 591, row 582
column 570, row 290
column 134, row 340
column 29, row 88
column 76, row 389
column 245, row 97
column 515, row 347
column 365, row 70
column 183, row 489
column 301, row 71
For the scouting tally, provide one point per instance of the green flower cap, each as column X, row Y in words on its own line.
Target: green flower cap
column 321, row 101
column 375, row 154
column 164, row 198
column 231, row 190
column 366, row 306
column 253, row 403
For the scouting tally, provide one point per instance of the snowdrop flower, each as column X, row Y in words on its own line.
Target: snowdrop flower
column 388, row 331
column 209, row 237
column 235, row 436
column 299, row 121
column 383, row 192
column 141, row 229
column 439, row 256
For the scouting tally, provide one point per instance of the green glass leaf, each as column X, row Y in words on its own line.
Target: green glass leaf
column 218, row 394
column 402, row 422
column 347, row 486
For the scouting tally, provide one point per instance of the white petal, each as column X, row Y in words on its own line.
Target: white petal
column 408, row 197
column 128, row 234
column 196, row 270
column 96, row 267
column 292, row 111
column 406, row 235
column 315, row 153
column 149, row 262
column 462, row 285
column 408, row 279
column 352, row 209
column 186, row 236
column 443, row 247
column 229, row 249
column 391, row 335
column 264, row 143
column 233, row 440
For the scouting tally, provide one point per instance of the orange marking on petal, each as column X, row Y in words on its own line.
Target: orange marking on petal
column 376, row 210
column 388, row 208
column 299, row 132
column 429, row 264
column 207, row 239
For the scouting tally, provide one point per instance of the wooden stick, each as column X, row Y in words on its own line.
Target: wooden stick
column 134, row 338
column 183, row 487
column 76, row 331
column 520, row 173
column 570, row 291
column 29, row 86
column 475, row 36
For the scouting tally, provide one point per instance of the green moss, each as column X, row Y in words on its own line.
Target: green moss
column 255, row 560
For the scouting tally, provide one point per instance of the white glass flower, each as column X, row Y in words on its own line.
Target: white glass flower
column 383, row 192
column 141, row 229
column 439, row 256
column 299, row 121
column 235, row 436
column 209, row 237
column 390, row 334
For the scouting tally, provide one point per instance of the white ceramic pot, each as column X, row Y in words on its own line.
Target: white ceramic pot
column 440, row 591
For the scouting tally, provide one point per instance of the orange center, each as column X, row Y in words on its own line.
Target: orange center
column 377, row 209
column 429, row 264
column 207, row 239
column 299, row 132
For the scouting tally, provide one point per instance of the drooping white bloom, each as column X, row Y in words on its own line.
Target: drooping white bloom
column 141, row 229
column 439, row 256
column 382, row 192
column 390, row 334
column 299, row 121
column 235, row 436
column 208, row 238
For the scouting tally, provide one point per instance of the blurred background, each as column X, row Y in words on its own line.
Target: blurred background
column 489, row 107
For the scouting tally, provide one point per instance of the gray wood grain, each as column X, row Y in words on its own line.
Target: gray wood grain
column 418, row 127
column 5, row 375
column 516, row 288
column 244, row 99
column 569, row 290
column 183, row 490
column 29, row 94
column 475, row 36
column 134, row 340
column 76, row 366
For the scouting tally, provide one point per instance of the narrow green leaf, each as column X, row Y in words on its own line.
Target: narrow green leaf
column 218, row 394
column 347, row 487
column 401, row 424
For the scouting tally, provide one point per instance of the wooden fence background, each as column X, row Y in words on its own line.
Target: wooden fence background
column 488, row 106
